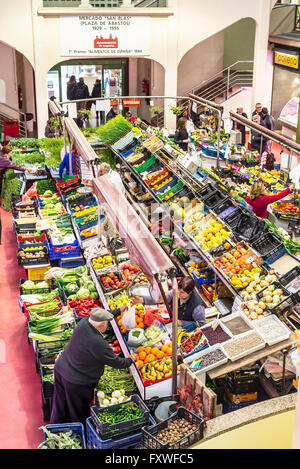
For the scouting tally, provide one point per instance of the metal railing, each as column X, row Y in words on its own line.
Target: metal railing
column 5, row 115
column 222, row 84
column 105, row 3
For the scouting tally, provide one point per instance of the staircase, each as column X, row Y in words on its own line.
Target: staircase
column 225, row 83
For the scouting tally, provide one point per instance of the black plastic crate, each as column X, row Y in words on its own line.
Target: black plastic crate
column 247, row 386
column 284, row 305
column 287, row 278
column 46, row 408
column 233, row 218
column 214, row 199
column 116, row 430
column 81, row 199
column 47, row 386
column 206, row 190
column 34, row 261
column 267, row 245
column 244, row 373
column 249, row 227
column 224, row 208
column 150, row 441
column 45, row 353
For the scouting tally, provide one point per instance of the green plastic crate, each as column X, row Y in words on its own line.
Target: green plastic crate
column 145, row 165
column 174, row 190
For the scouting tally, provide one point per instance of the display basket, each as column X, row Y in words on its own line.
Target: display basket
column 146, row 165
column 115, row 430
column 206, row 191
column 34, row 291
column 150, row 440
column 59, row 251
column 267, row 245
column 76, row 428
column 174, row 190
column 27, row 263
column 39, row 239
column 82, row 199
column 83, row 226
column 191, row 328
column 224, row 208
column 167, row 185
column 288, row 279
column 214, row 199
column 45, row 353
column 95, row 442
column 200, row 280
column 285, row 332
column 284, row 305
column 47, row 386
column 249, row 227
column 24, row 227
column 233, row 218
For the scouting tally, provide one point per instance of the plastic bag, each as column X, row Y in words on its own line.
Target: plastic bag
column 136, row 338
column 155, row 334
column 159, row 313
column 32, row 191
column 128, row 319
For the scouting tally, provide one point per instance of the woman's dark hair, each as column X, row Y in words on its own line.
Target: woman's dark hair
column 6, row 149
column 72, row 80
column 181, row 123
column 187, row 284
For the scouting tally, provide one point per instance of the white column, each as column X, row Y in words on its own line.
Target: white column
column 263, row 66
column 126, row 4
column 170, row 90
column 85, row 4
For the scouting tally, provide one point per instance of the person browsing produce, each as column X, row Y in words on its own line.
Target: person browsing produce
column 80, row 366
column 259, row 199
column 181, row 137
column 5, row 163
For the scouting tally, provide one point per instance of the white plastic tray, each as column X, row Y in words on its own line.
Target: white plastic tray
column 233, row 316
column 285, row 331
column 198, row 355
column 246, row 351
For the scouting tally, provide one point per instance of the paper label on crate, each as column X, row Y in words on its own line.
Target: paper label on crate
column 237, row 304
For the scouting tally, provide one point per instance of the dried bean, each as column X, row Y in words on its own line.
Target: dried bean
column 216, row 336
column 270, row 329
column 210, row 358
column 237, row 325
column 241, row 344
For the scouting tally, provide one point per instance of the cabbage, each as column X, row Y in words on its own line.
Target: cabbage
column 93, row 295
column 82, row 293
column 29, row 284
column 72, row 287
column 72, row 297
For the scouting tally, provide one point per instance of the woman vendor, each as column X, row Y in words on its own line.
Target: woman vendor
column 190, row 305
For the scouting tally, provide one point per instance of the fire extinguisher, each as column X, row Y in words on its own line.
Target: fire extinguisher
column 146, row 89
column 20, row 97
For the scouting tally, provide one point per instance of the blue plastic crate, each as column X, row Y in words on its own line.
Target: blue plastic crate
column 166, row 186
column 74, row 252
column 95, row 442
column 277, row 255
column 190, row 328
column 71, row 263
column 230, row 407
column 201, row 281
column 87, row 225
column 76, row 428
column 129, row 152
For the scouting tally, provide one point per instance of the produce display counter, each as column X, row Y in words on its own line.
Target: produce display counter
column 253, row 357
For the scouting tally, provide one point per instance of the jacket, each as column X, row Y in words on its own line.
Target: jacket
column 85, row 355
column 110, row 115
column 179, row 137
column 5, row 164
column 49, row 131
column 257, row 141
column 260, row 204
column 267, row 121
column 81, row 91
column 96, row 93
column 65, row 165
column 70, row 91
column 191, row 310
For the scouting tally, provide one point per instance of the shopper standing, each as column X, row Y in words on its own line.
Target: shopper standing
column 259, row 199
column 267, row 121
column 5, row 163
column 258, row 109
column 115, row 177
column 181, row 137
column 50, row 132
column 81, row 91
column 79, row 367
column 96, row 93
column 70, row 88
column 241, row 127
column 258, row 141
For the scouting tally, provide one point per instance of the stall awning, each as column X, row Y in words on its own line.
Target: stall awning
column 140, row 243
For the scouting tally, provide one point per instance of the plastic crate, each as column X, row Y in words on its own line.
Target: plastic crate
column 94, row 441
column 249, row 226
column 70, row 264
column 267, row 245
column 150, row 441
column 233, row 218
column 214, row 199
column 230, row 407
column 288, row 278
column 69, row 250
column 22, row 239
column 116, row 430
column 83, row 199
column 146, row 165
column 224, row 208
column 33, row 291
column 34, row 261
column 178, row 187
column 284, row 305
column 36, row 273
column 47, row 387
column 206, row 190
column 76, row 428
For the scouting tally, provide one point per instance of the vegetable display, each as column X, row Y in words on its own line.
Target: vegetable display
column 157, row 370
column 175, row 431
column 61, row 440
column 117, row 397
column 114, row 129
column 114, row 380
column 125, row 413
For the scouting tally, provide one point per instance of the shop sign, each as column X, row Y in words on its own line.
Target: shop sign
column 97, row 36
column 286, row 60
column 131, row 102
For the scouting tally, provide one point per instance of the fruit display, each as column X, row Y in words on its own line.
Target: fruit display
column 158, row 369
column 129, row 271
column 115, row 346
column 101, row 262
column 111, row 281
column 89, row 232
column 141, row 279
column 286, row 209
column 272, row 295
column 115, row 302
column 259, row 283
column 232, row 256
column 198, row 266
column 212, row 236
column 150, row 354
column 190, row 342
column 242, row 273
column 139, row 317
column 267, row 299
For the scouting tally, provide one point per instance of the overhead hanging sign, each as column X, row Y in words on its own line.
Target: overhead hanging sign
column 286, row 59
column 97, row 36
column 131, row 102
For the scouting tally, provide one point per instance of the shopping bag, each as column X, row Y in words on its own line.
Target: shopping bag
column 128, row 319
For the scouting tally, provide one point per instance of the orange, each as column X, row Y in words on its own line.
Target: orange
column 155, row 350
column 160, row 354
column 164, row 348
column 169, row 352
column 139, row 363
column 142, row 356
column 148, row 350
column 140, row 349
column 150, row 358
column 120, row 322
